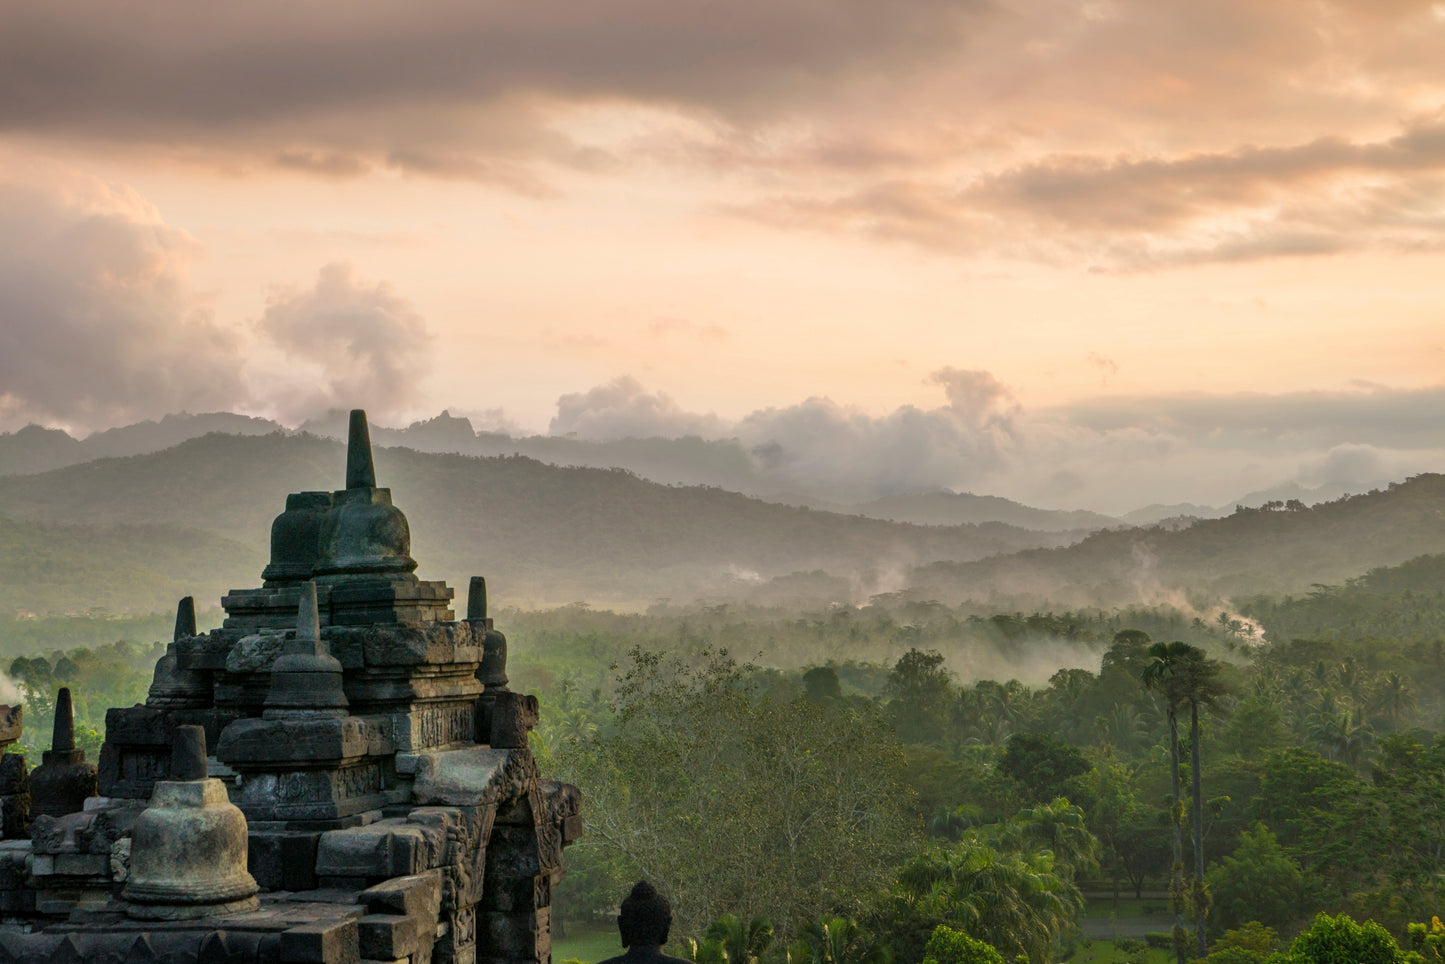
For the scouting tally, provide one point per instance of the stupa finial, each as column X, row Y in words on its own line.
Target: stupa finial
column 185, row 619
column 360, row 472
column 63, row 734
column 477, row 598
column 188, row 753
column 308, row 618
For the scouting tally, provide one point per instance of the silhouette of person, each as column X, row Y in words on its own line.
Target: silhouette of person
column 644, row 922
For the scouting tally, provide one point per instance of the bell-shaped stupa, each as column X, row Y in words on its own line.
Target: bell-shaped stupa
column 189, row 847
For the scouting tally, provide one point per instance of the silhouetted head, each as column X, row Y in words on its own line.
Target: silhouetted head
column 646, row 917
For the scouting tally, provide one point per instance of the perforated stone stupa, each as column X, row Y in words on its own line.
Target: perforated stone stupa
column 369, row 796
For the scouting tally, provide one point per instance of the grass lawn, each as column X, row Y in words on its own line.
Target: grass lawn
column 1105, row 952
column 588, row 943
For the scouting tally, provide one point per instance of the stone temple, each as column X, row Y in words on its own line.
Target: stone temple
column 338, row 774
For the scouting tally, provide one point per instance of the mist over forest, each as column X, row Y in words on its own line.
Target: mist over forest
column 984, row 674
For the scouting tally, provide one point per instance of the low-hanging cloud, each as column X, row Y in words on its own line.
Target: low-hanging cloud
column 1113, row 455
column 99, row 323
column 367, row 343
column 820, row 447
column 624, row 409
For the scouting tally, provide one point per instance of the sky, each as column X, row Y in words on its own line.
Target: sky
column 1081, row 254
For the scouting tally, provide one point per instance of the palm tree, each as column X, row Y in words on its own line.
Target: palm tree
column 743, row 944
column 1057, row 827
column 1158, row 677
column 1183, row 675
column 836, row 940
column 1018, row 904
column 1393, row 700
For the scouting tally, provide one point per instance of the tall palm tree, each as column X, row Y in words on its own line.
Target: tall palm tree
column 1184, row 676
column 1158, row 677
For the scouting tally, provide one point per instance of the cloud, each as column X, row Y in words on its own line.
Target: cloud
column 624, row 409
column 1112, row 455
column 1345, row 465
column 1131, row 213
column 368, row 345
column 819, row 446
column 429, row 76
column 1319, row 420
column 99, row 323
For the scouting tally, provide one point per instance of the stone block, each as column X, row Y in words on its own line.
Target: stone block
column 388, row 937
column 516, row 935
column 312, row 795
column 458, row 944
column 83, row 865
column 14, row 777
column 328, row 739
column 325, row 942
column 513, row 716
column 14, row 815
column 283, row 860
column 472, row 776
column 58, row 787
column 384, row 849
column 416, row 896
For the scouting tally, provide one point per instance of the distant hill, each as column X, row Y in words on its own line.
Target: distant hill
column 90, row 569
column 957, row 508
column 543, row 534
column 1249, row 552
column 725, row 463
column 1284, row 492
column 35, row 449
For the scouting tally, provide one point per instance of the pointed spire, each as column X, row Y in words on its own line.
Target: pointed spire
column 188, row 753
column 477, row 598
column 63, row 736
column 360, row 473
column 185, row 619
column 308, row 617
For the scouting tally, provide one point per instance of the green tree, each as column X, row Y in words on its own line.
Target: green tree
column 742, row 943
column 1059, row 828
column 837, row 940
column 1339, row 940
column 1042, row 764
column 1159, row 675
column 1252, row 943
column 1259, row 882
column 1186, row 677
column 1016, row 902
column 739, row 802
column 920, row 697
column 948, row 946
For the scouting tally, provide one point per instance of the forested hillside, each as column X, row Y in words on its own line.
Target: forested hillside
column 137, row 568
column 545, row 534
column 1281, row 548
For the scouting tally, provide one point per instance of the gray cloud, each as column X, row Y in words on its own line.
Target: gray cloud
column 1126, row 213
column 368, row 344
column 820, row 447
column 1388, row 418
column 98, row 323
column 163, row 69
column 624, row 409
column 1112, row 455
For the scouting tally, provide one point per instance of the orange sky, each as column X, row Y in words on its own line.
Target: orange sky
column 281, row 207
